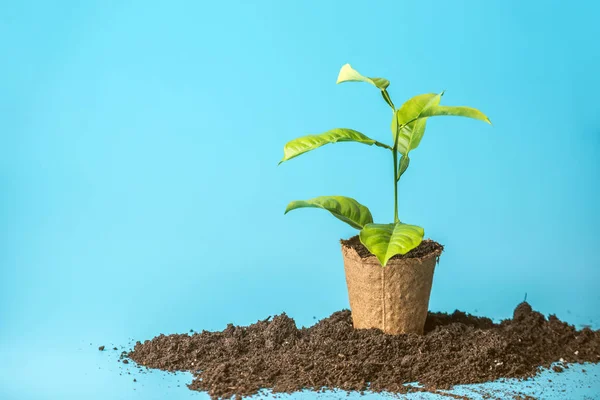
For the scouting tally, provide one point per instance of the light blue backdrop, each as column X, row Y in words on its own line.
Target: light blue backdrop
column 140, row 190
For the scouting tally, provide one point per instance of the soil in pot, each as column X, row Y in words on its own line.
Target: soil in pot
column 455, row 349
column 426, row 247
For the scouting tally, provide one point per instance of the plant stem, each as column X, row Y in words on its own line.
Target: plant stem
column 396, row 170
column 395, row 186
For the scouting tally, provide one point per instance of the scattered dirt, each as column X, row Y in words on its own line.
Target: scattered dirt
column 101, row 348
column 456, row 349
column 426, row 247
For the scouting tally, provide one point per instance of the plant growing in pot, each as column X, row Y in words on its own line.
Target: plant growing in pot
column 389, row 268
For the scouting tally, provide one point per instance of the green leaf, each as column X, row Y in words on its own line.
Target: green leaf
column 412, row 132
column 413, row 114
column 343, row 208
column 404, row 161
column 304, row 144
column 387, row 240
column 349, row 74
column 388, row 99
column 455, row 111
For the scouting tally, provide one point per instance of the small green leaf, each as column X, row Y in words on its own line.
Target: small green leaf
column 343, row 208
column 404, row 161
column 455, row 111
column 349, row 74
column 387, row 240
column 388, row 99
column 304, row 144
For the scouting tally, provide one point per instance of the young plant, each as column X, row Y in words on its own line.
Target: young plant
column 408, row 127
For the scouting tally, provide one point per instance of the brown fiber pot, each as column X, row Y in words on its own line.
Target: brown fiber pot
column 394, row 298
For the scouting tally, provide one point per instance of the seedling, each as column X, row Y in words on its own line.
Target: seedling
column 408, row 127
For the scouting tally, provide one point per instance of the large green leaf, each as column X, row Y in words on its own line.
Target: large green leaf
column 304, row 144
column 343, row 208
column 407, row 117
column 387, row 240
column 411, row 118
column 455, row 111
column 349, row 74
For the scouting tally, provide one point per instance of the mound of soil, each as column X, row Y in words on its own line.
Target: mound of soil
column 456, row 349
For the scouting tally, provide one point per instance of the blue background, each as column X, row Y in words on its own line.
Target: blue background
column 139, row 144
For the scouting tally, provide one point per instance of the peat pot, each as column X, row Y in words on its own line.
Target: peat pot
column 394, row 298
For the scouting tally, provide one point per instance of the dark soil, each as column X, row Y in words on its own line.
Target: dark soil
column 456, row 349
column 426, row 247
